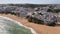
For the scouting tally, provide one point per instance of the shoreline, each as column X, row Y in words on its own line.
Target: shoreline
column 31, row 29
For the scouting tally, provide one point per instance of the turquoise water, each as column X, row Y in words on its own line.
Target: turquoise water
column 10, row 27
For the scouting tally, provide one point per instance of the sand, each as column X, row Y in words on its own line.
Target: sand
column 40, row 29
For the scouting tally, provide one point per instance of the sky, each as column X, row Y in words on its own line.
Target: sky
column 30, row 1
